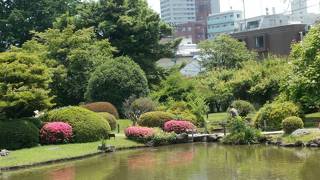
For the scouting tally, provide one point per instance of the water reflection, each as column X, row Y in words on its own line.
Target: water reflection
column 188, row 162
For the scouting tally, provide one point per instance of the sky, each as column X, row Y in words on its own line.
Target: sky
column 253, row 7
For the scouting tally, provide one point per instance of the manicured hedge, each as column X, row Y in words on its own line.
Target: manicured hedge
column 110, row 118
column 56, row 133
column 17, row 134
column 155, row 119
column 273, row 114
column 291, row 124
column 102, row 107
column 137, row 133
column 87, row 126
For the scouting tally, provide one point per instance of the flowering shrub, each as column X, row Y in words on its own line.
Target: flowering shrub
column 139, row 133
column 179, row 126
column 55, row 133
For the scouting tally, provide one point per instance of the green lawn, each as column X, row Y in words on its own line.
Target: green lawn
column 124, row 123
column 54, row 152
column 312, row 120
column 217, row 117
column 315, row 134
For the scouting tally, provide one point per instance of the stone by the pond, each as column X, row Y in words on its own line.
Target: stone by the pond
column 300, row 132
column 4, row 152
column 182, row 138
column 212, row 138
column 313, row 145
column 299, row 144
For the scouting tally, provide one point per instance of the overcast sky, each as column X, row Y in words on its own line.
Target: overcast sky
column 253, row 7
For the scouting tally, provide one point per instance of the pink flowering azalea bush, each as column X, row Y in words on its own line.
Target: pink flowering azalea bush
column 179, row 126
column 56, row 133
column 139, row 133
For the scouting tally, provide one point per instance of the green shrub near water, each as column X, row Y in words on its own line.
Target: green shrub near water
column 162, row 138
column 87, row 126
column 110, row 118
column 17, row 134
column 155, row 119
column 244, row 107
column 274, row 113
column 241, row 133
column 291, row 124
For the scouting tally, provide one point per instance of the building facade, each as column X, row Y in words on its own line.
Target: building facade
column 225, row 22
column 274, row 40
column 196, row 31
column 265, row 21
column 177, row 12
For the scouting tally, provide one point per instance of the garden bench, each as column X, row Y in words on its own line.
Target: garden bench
column 112, row 135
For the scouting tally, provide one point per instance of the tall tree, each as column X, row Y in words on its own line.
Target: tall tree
column 130, row 26
column 19, row 17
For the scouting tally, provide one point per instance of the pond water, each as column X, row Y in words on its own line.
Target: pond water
column 186, row 162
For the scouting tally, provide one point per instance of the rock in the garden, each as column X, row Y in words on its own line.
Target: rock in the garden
column 300, row 132
column 212, row 138
column 4, row 152
column 314, row 145
column 299, row 144
column 182, row 138
column 288, row 145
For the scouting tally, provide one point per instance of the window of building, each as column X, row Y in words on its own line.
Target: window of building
column 260, row 42
column 238, row 15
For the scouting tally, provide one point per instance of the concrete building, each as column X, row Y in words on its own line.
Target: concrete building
column 225, row 22
column 177, row 12
column 189, row 17
column 299, row 13
column 215, row 6
column 265, row 21
column 274, row 40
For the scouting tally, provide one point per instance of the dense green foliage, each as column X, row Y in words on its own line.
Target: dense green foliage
column 102, row 107
column 241, row 133
column 74, row 55
column 244, row 107
column 155, row 119
column 257, row 82
column 302, row 85
column 19, row 17
column 131, row 26
column 224, row 52
column 24, row 81
column 133, row 108
column 110, row 118
column 116, row 80
column 17, row 134
column 291, row 124
column 271, row 115
column 161, row 137
column 87, row 126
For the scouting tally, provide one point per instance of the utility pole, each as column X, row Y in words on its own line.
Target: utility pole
column 244, row 15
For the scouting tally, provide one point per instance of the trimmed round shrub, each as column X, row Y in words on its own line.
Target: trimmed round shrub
column 56, row 133
column 110, row 118
column 273, row 114
column 291, row 124
column 87, row 126
column 139, row 133
column 102, row 107
column 116, row 80
column 18, row 134
column 155, row 119
column 244, row 107
column 179, row 126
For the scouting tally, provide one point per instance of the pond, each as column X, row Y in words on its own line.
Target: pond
column 186, row 162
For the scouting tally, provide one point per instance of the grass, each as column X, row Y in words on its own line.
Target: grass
column 217, row 117
column 54, row 152
column 124, row 123
column 312, row 120
column 315, row 134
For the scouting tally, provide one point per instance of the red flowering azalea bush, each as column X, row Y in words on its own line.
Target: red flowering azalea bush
column 139, row 133
column 179, row 126
column 56, row 133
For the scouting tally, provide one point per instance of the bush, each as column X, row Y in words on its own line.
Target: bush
column 291, row 124
column 241, row 133
column 273, row 114
column 56, row 133
column 87, row 126
column 102, row 107
column 179, row 126
column 155, row 119
column 24, row 81
column 181, row 111
column 163, row 138
column 133, row 108
column 116, row 80
column 244, row 107
column 110, row 118
column 141, row 134
column 17, row 134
